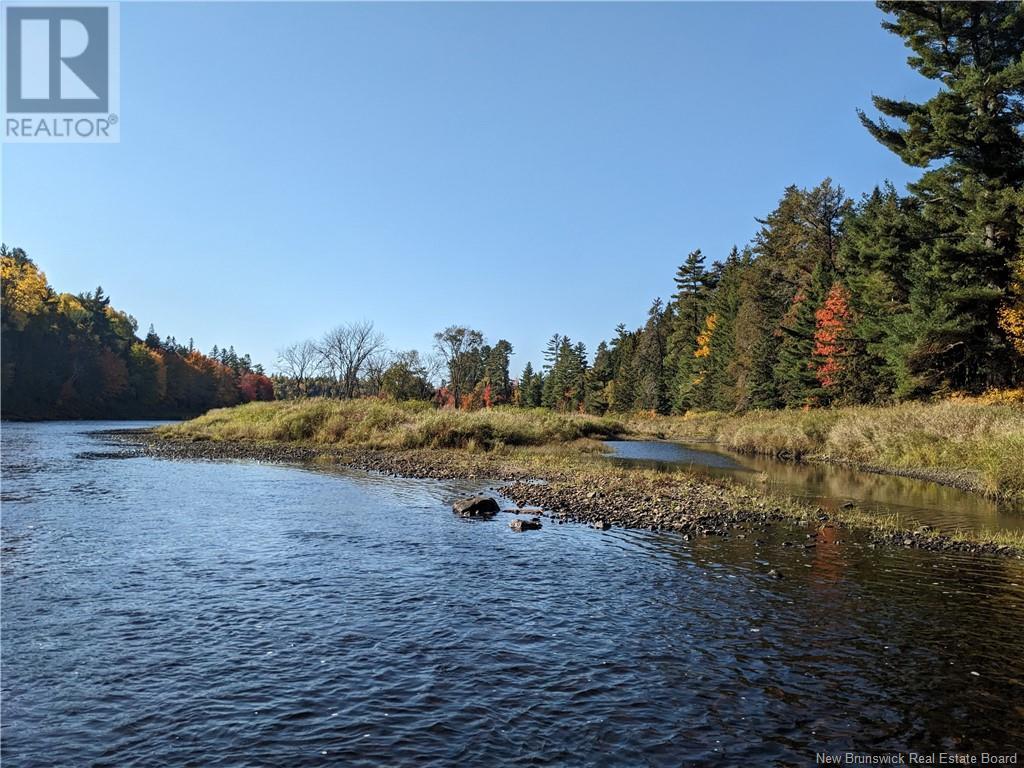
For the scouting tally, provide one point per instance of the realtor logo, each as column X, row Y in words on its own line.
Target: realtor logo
column 61, row 73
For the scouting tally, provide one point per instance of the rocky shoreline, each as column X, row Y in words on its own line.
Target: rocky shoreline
column 605, row 497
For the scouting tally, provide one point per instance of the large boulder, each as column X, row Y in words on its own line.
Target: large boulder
column 476, row 506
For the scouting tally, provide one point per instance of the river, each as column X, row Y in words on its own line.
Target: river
column 915, row 502
column 161, row 612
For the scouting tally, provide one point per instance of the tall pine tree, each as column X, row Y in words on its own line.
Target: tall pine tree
column 969, row 138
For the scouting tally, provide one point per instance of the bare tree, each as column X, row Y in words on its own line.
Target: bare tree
column 299, row 362
column 345, row 350
column 376, row 365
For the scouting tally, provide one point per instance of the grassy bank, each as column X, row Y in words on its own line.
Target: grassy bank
column 381, row 424
column 976, row 443
column 972, row 443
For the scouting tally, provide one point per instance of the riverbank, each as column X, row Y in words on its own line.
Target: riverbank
column 374, row 423
column 974, row 444
column 578, row 485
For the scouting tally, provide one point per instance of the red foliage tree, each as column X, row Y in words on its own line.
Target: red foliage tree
column 444, row 398
column 832, row 321
column 255, row 386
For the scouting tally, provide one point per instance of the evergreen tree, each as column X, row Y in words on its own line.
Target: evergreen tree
column 564, row 383
column 496, row 373
column 550, row 396
column 650, row 354
column 535, row 394
column 622, row 391
column 598, row 380
column 881, row 240
column 794, row 373
column 969, row 137
column 526, row 388
column 688, row 311
column 719, row 389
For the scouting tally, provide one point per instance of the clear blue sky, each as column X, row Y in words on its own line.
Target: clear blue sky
column 519, row 168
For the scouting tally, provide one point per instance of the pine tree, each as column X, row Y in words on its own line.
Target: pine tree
column 720, row 382
column 552, row 377
column 496, row 373
column 691, row 285
column 689, row 309
column 969, row 137
column 599, row 377
column 794, row 372
column 879, row 253
column 526, row 387
column 576, row 388
column 536, row 392
column 649, row 359
column 750, row 369
column 623, row 388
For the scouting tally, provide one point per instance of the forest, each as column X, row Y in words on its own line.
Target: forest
column 76, row 356
column 889, row 297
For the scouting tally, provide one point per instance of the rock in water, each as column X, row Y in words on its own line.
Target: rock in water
column 519, row 525
column 475, row 506
column 602, row 525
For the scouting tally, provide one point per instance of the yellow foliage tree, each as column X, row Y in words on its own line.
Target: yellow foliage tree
column 704, row 337
column 72, row 308
column 25, row 289
column 703, row 348
column 1011, row 313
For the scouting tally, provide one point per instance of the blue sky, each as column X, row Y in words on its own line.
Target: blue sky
column 519, row 168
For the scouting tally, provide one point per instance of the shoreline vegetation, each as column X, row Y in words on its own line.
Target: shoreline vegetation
column 974, row 444
column 518, row 447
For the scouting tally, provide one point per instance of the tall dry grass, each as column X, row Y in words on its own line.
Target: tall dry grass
column 380, row 424
column 982, row 437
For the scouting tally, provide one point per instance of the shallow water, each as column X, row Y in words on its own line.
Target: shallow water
column 170, row 613
column 918, row 502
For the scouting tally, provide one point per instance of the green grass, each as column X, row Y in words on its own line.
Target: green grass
column 979, row 441
column 375, row 423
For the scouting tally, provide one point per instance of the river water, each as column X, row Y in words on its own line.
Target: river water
column 163, row 612
column 830, row 486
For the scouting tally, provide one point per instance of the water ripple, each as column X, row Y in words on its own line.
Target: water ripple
column 221, row 614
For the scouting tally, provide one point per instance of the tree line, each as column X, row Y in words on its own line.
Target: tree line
column 76, row 356
column 835, row 301
column 889, row 297
column 353, row 360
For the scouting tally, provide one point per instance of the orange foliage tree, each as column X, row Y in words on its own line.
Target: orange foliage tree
column 832, row 322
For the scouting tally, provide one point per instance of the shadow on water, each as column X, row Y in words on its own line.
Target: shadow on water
column 829, row 486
